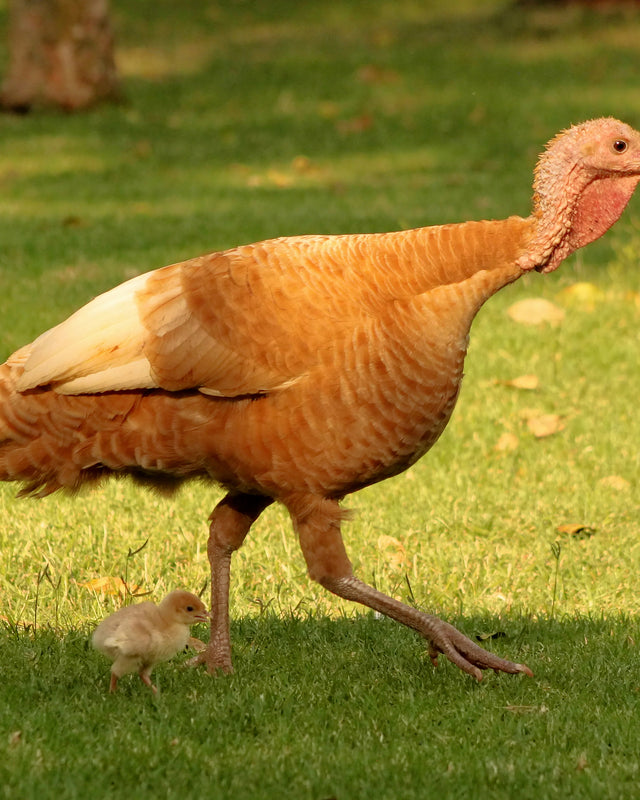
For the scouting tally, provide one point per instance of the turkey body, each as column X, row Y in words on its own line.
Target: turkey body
column 364, row 338
column 296, row 370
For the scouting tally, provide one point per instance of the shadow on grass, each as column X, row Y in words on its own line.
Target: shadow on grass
column 321, row 708
column 362, row 650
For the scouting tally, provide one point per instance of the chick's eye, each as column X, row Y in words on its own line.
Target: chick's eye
column 620, row 145
column 189, row 608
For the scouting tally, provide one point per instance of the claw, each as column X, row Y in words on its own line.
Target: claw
column 195, row 661
column 196, row 644
column 465, row 654
column 212, row 660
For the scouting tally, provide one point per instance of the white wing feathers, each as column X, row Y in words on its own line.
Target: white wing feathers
column 98, row 348
column 141, row 335
column 163, row 330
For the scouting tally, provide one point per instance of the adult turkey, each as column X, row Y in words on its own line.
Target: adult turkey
column 296, row 370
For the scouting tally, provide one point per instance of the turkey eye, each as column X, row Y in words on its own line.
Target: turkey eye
column 620, row 145
column 189, row 608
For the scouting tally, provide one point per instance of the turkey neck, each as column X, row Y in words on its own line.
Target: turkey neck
column 405, row 264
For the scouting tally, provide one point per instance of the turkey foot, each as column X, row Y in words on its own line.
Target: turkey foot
column 214, row 659
column 442, row 637
column 461, row 651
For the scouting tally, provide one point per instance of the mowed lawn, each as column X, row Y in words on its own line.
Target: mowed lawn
column 245, row 121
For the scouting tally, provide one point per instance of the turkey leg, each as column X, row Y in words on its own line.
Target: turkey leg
column 229, row 525
column 318, row 526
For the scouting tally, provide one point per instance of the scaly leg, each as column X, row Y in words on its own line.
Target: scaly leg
column 230, row 523
column 317, row 522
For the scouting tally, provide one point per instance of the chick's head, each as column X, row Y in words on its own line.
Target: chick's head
column 184, row 607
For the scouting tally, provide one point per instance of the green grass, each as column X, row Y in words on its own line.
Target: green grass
column 249, row 120
column 366, row 724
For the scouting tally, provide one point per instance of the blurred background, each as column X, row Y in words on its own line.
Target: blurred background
column 234, row 121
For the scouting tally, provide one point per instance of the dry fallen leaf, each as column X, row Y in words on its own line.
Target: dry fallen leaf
column 142, row 148
column 528, row 382
column 507, row 443
column 280, row 179
column 545, row 425
column 577, row 530
column 616, row 482
column 536, row 311
column 109, row 585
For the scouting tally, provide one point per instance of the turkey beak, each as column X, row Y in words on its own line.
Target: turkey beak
column 204, row 616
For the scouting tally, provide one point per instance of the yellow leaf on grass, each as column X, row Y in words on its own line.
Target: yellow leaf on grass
column 279, row 178
column 535, row 311
column 545, row 425
column 616, row 482
column 507, row 443
column 576, row 529
column 108, row 585
column 528, row 382
column 582, row 295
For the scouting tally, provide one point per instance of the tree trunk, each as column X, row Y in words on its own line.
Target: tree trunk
column 60, row 55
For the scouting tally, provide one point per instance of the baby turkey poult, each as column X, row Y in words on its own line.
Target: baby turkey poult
column 138, row 637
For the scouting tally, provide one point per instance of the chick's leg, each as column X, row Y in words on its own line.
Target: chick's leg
column 317, row 522
column 145, row 677
column 229, row 525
